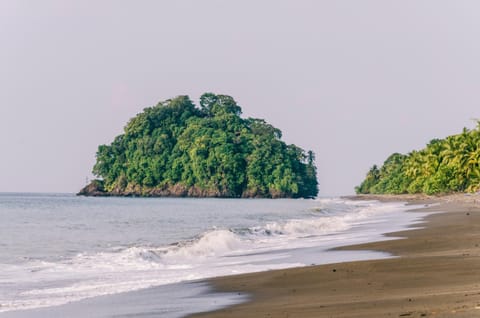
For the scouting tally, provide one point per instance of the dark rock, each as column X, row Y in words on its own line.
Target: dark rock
column 94, row 189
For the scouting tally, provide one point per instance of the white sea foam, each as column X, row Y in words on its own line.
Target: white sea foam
column 211, row 244
column 219, row 251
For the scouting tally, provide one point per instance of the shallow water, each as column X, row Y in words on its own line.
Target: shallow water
column 59, row 249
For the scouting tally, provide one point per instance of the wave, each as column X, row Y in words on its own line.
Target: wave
column 224, row 242
column 213, row 243
column 235, row 241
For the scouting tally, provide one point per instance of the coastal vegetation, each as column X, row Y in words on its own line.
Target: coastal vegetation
column 443, row 166
column 178, row 149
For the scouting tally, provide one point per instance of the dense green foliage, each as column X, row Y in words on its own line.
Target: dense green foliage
column 445, row 165
column 175, row 148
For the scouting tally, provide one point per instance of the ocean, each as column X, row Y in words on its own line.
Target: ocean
column 68, row 256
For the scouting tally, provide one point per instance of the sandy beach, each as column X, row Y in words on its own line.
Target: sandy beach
column 436, row 274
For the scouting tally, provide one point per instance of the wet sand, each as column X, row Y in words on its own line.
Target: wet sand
column 436, row 274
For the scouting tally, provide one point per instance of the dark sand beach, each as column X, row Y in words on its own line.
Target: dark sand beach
column 436, row 274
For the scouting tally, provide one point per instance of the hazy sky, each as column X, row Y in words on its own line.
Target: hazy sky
column 352, row 80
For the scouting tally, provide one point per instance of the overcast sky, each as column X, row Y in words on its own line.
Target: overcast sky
column 352, row 80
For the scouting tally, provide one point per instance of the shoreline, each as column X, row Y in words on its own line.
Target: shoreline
column 436, row 273
column 363, row 227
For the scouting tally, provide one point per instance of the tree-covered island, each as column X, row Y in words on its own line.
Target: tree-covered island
column 178, row 149
column 444, row 166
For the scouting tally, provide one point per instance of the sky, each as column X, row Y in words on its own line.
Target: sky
column 354, row 81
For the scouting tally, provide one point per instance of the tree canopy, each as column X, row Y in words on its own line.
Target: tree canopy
column 443, row 166
column 178, row 149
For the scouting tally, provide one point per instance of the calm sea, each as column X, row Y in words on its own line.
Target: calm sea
column 58, row 248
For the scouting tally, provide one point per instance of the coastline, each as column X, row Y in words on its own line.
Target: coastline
column 263, row 235
column 436, row 273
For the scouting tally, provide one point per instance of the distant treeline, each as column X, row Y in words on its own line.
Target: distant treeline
column 444, row 166
column 178, row 149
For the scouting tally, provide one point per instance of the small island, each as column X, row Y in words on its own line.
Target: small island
column 178, row 149
column 444, row 166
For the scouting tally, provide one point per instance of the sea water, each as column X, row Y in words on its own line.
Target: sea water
column 58, row 249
